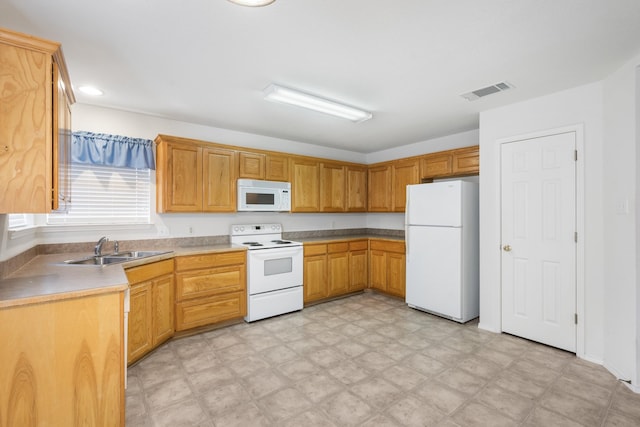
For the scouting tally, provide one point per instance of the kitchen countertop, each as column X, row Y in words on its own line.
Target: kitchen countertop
column 46, row 278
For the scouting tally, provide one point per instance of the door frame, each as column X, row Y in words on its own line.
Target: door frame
column 578, row 129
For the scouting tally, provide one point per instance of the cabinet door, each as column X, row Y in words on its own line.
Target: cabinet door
column 358, row 269
column 140, row 321
column 315, row 277
column 219, row 180
column 332, row 187
column 378, row 263
column 25, row 131
column 404, row 173
column 396, row 274
column 466, row 161
column 305, row 186
column 61, row 147
column 277, row 167
column 163, row 300
column 356, row 189
column 435, row 165
column 338, row 269
column 205, row 311
column 252, row 165
column 379, row 189
column 180, row 177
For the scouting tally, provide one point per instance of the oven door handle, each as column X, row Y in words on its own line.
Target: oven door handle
column 275, row 253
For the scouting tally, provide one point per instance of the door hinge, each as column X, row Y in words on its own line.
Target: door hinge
column 575, row 318
column 575, row 155
column 575, row 236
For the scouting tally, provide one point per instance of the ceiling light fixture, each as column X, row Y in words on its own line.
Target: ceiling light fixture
column 90, row 90
column 252, row 3
column 285, row 95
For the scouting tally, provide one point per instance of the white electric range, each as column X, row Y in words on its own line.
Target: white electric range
column 274, row 270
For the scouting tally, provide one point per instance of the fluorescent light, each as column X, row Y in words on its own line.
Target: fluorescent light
column 90, row 90
column 252, row 3
column 285, row 95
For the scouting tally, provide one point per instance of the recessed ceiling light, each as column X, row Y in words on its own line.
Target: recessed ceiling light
column 252, row 3
column 90, row 90
column 289, row 96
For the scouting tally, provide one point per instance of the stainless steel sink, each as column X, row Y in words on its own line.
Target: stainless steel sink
column 102, row 260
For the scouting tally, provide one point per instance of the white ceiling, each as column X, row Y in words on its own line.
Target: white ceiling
column 207, row 61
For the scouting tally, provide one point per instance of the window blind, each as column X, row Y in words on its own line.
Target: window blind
column 17, row 221
column 106, row 195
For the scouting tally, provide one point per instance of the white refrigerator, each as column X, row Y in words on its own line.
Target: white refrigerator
column 441, row 232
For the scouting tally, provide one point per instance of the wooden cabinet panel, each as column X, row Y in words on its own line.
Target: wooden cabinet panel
column 387, row 245
column 332, row 187
column 210, row 288
column 163, row 310
column 338, row 273
column 149, row 271
column 358, row 269
column 356, row 189
column 305, row 185
column 252, row 165
column 62, row 362
column 35, row 124
column 404, row 173
column 378, row 269
column 219, row 180
column 204, row 282
column 179, row 178
column 396, row 274
column 315, row 277
column 379, row 189
column 436, row 165
column 310, row 249
column 140, row 340
column 205, row 311
column 277, row 167
column 466, row 161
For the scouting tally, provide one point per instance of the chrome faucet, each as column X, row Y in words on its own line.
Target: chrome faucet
column 98, row 249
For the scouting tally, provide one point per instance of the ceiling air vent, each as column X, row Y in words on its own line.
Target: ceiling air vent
column 479, row 93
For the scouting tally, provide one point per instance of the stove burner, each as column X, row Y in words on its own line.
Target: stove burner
column 281, row 242
column 252, row 244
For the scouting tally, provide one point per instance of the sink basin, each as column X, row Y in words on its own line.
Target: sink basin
column 114, row 258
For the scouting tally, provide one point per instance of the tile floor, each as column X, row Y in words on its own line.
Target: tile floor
column 369, row 360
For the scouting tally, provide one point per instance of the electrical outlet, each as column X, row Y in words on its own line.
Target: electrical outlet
column 190, row 230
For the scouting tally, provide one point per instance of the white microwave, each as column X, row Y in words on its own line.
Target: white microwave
column 263, row 196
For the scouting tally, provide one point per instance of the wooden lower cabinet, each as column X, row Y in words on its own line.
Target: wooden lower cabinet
column 63, row 362
column 315, row 272
column 358, row 265
column 337, row 269
column 151, row 307
column 210, row 288
column 387, row 266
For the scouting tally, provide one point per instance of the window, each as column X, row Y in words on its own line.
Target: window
column 106, row 195
column 18, row 221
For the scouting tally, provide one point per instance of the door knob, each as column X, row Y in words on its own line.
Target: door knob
column 506, row 248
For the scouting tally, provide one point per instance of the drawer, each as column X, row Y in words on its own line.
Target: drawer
column 206, row 311
column 194, row 284
column 149, row 271
column 338, row 247
column 191, row 262
column 387, row 245
column 359, row 245
column 310, row 250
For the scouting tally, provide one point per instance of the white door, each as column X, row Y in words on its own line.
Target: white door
column 538, row 198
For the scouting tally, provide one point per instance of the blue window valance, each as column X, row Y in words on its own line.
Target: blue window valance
column 112, row 150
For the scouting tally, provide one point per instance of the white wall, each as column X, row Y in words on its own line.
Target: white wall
column 578, row 106
column 106, row 120
column 619, row 210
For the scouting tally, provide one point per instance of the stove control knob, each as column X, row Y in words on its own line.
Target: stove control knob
column 241, row 228
column 235, row 228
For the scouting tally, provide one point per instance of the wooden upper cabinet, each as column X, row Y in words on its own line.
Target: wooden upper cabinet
column 404, row 172
column 435, row 165
column 277, row 167
column 219, row 180
column 466, row 161
column 178, row 176
column 379, row 188
column 356, row 189
column 36, row 94
column 305, row 183
column 332, row 187
column 252, row 165
column 194, row 177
